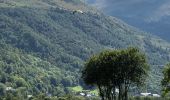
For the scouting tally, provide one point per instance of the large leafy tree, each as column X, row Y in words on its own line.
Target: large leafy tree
column 133, row 70
column 166, row 80
column 115, row 69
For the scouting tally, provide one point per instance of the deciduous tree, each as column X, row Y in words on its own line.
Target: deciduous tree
column 116, row 69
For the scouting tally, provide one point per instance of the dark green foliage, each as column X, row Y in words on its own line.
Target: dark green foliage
column 2, row 89
column 166, row 80
column 116, row 69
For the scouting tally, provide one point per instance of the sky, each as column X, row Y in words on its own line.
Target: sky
column 148, row 10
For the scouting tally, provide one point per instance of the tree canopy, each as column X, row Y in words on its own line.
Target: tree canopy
column 116, row 69
column 166, row 80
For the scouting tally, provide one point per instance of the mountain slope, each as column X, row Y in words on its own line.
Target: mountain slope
column 45, row 48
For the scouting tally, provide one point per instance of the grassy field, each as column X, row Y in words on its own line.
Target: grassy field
column 77, row 89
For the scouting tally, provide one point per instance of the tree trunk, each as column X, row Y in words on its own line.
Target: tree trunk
column 120, row 92
column 100, row 92
column 114, row 93
column 126, row 92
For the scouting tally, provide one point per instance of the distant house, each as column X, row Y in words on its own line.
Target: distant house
column 82, row 94
column 9, row 89
column 156, row 95
column 145, row 94
column 88, row 95
column 77, row 11
column 29, row 96
column 80, row 11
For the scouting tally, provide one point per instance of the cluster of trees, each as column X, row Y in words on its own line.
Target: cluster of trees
column 19, row 70
column 116, row 69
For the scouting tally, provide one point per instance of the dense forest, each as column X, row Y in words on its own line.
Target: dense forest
column 43, row 45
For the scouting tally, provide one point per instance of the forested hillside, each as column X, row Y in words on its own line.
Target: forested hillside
column 43, row 48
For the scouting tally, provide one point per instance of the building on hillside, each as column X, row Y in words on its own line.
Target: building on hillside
column 88, row 95
column 156, row 95
column 82, row 94
column 29, row 96
column 9, row 89
column 78, row 11
column 145, row 94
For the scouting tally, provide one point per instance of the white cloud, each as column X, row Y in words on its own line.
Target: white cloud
column 148, row 10
column 101, row 4
column 162, row 11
